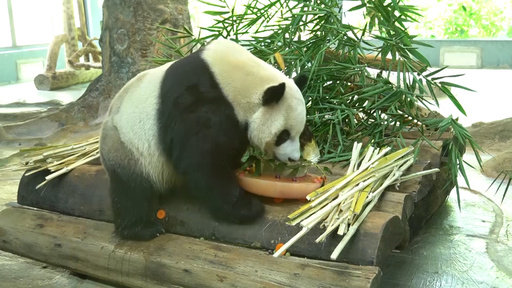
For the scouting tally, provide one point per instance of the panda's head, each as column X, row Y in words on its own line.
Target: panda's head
column 276, row 126
column 263, row 97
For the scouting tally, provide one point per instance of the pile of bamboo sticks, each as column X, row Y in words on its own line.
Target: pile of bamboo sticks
column 343, row 204
column 58, row 159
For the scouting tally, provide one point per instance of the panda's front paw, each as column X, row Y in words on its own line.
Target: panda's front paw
column 142, row 231
column 245, row 209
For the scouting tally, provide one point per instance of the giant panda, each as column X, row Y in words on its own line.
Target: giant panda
column 184, row 127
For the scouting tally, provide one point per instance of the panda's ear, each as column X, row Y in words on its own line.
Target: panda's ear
column 273, row 94
column 301, row 81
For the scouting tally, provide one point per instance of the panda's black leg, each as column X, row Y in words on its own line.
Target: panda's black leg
column 241, row 207
column 218, row 189
column 135, row 204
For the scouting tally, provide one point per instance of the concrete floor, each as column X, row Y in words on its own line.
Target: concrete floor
column 467, row 248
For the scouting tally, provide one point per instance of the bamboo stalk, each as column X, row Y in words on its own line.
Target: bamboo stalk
column 59, row 159
column 68, row 168
column 353, row 228
column 332, row 227
column 417, row 174
column 349, row 178
column 355, row 157
column 291, row 241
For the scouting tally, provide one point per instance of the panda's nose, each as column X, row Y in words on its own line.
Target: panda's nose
column 292, row 160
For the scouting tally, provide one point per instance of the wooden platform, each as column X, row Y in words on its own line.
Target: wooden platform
column 400, row 213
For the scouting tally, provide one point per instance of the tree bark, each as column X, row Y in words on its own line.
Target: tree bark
column 129, row 31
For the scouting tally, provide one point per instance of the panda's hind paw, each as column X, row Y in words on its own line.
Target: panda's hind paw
column 247, row 208
column 144, row 232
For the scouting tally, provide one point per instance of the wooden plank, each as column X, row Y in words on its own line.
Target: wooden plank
column 89, row 247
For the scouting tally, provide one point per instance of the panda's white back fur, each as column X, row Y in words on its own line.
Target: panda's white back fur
column 135, row 109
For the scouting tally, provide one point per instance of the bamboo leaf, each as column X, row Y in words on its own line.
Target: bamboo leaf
column 358, row 7
column 456, row 86
column 216, row 13
column 212, row 4
column 435, row 72
column 506, row 189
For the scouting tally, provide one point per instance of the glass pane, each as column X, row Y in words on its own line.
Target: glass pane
column 5, row 28
column 36, row 21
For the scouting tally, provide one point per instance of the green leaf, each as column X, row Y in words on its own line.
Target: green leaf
column 435, row 72
column 419, row 56
column 506, row 189
column 212, row 4
column 454, row 100
column 416, row 42
column 358, row 7
column 455, row 86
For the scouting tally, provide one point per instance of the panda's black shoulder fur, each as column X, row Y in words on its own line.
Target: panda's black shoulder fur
column 201, row 135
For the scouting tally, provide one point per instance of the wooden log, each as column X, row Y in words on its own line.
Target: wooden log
column 428, row 205
column 65, row 78
column 364, row 250
column 82, row 30
column 372, row 61
column 89, row 247
column 431, row 154
column 88, row 42
column 53, row 52
column 85, row 51
column 431, row 135
column 399, row 204
column 69, row 29
column 378, row 235
column 83, row 192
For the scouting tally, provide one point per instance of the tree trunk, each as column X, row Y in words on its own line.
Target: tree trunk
column 129, row 31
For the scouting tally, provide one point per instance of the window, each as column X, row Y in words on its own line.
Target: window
column 36, row 21
column 33, row 22
column 5, row 26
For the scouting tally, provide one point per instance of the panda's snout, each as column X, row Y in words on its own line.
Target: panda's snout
column 288, row 152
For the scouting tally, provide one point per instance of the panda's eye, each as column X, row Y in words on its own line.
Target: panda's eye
column 282, row 137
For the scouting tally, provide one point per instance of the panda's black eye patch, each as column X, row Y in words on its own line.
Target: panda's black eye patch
column 282, row 137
